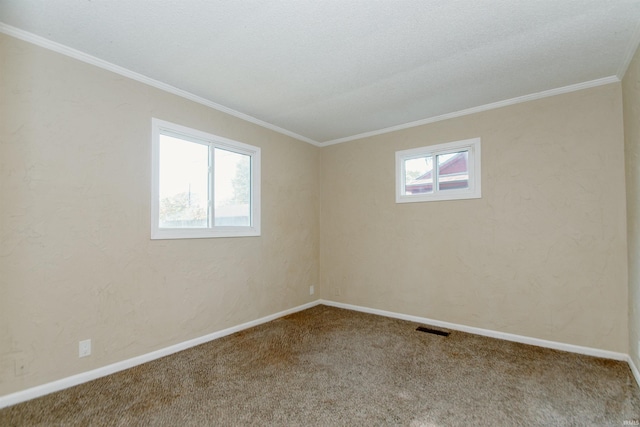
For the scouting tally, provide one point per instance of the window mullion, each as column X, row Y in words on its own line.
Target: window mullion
column 196, row 175
column 403, row 171
column 211, row 186
column 470, row 168
column 251, row 190
column 456, row 164
column 436, row 173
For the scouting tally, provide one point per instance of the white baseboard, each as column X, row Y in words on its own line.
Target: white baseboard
column 634, row 369
column 487, row 332
column 41, row 390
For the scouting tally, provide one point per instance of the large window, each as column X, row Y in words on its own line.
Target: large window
column 439, row 172
column 202, row 185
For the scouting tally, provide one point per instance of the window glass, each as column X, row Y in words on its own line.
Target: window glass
column 418, row 176
column 453, row 171
column 446, row 171
column 202, row 185
column 184, row 183
column 232, row 188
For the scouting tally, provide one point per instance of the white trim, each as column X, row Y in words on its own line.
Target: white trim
column 44, row 389
column 634, row 369
column 89, row 59
column 631, row 50
column 474, row 189
column 589, row 351
column 41, row 390
column 81, row 56
column 480, row 108
column 162, row 127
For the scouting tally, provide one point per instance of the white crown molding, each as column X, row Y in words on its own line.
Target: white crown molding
column 481, row 108
column 89, row 59
column 631, row 50
column 589, row 351
column 41, row 390
column 81, row 56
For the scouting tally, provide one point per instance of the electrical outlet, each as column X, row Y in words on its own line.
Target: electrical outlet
column 84, row 348
column 638, row 348
column 311, row 290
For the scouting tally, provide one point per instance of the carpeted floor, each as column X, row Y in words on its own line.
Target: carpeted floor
column 331, row 367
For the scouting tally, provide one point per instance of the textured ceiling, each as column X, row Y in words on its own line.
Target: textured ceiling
column 327, row 70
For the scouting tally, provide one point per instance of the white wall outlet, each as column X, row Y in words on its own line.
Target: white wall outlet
column 311, row 290
column 638, row 348
column 84, row 348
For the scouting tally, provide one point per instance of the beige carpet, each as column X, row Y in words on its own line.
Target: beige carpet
column 326, row 366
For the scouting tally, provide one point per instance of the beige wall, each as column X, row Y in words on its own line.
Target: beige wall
column 541, row 254
column 76, row 260
column 631, row 97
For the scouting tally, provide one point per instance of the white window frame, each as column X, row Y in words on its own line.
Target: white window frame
column 161, row 127
column 474, row 191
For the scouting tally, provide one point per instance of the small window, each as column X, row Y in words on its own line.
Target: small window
column 202, row 185
column 439, row 172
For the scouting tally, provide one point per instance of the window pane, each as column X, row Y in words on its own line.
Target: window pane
column 418, row 175
column 232, row 206
column 453, row 171
column 184, row 183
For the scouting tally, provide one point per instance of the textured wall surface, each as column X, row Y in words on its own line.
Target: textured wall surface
column 631, row 98
column 76, row 259
column 541, row 254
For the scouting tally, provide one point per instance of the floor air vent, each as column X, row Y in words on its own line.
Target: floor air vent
column 432, row 331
